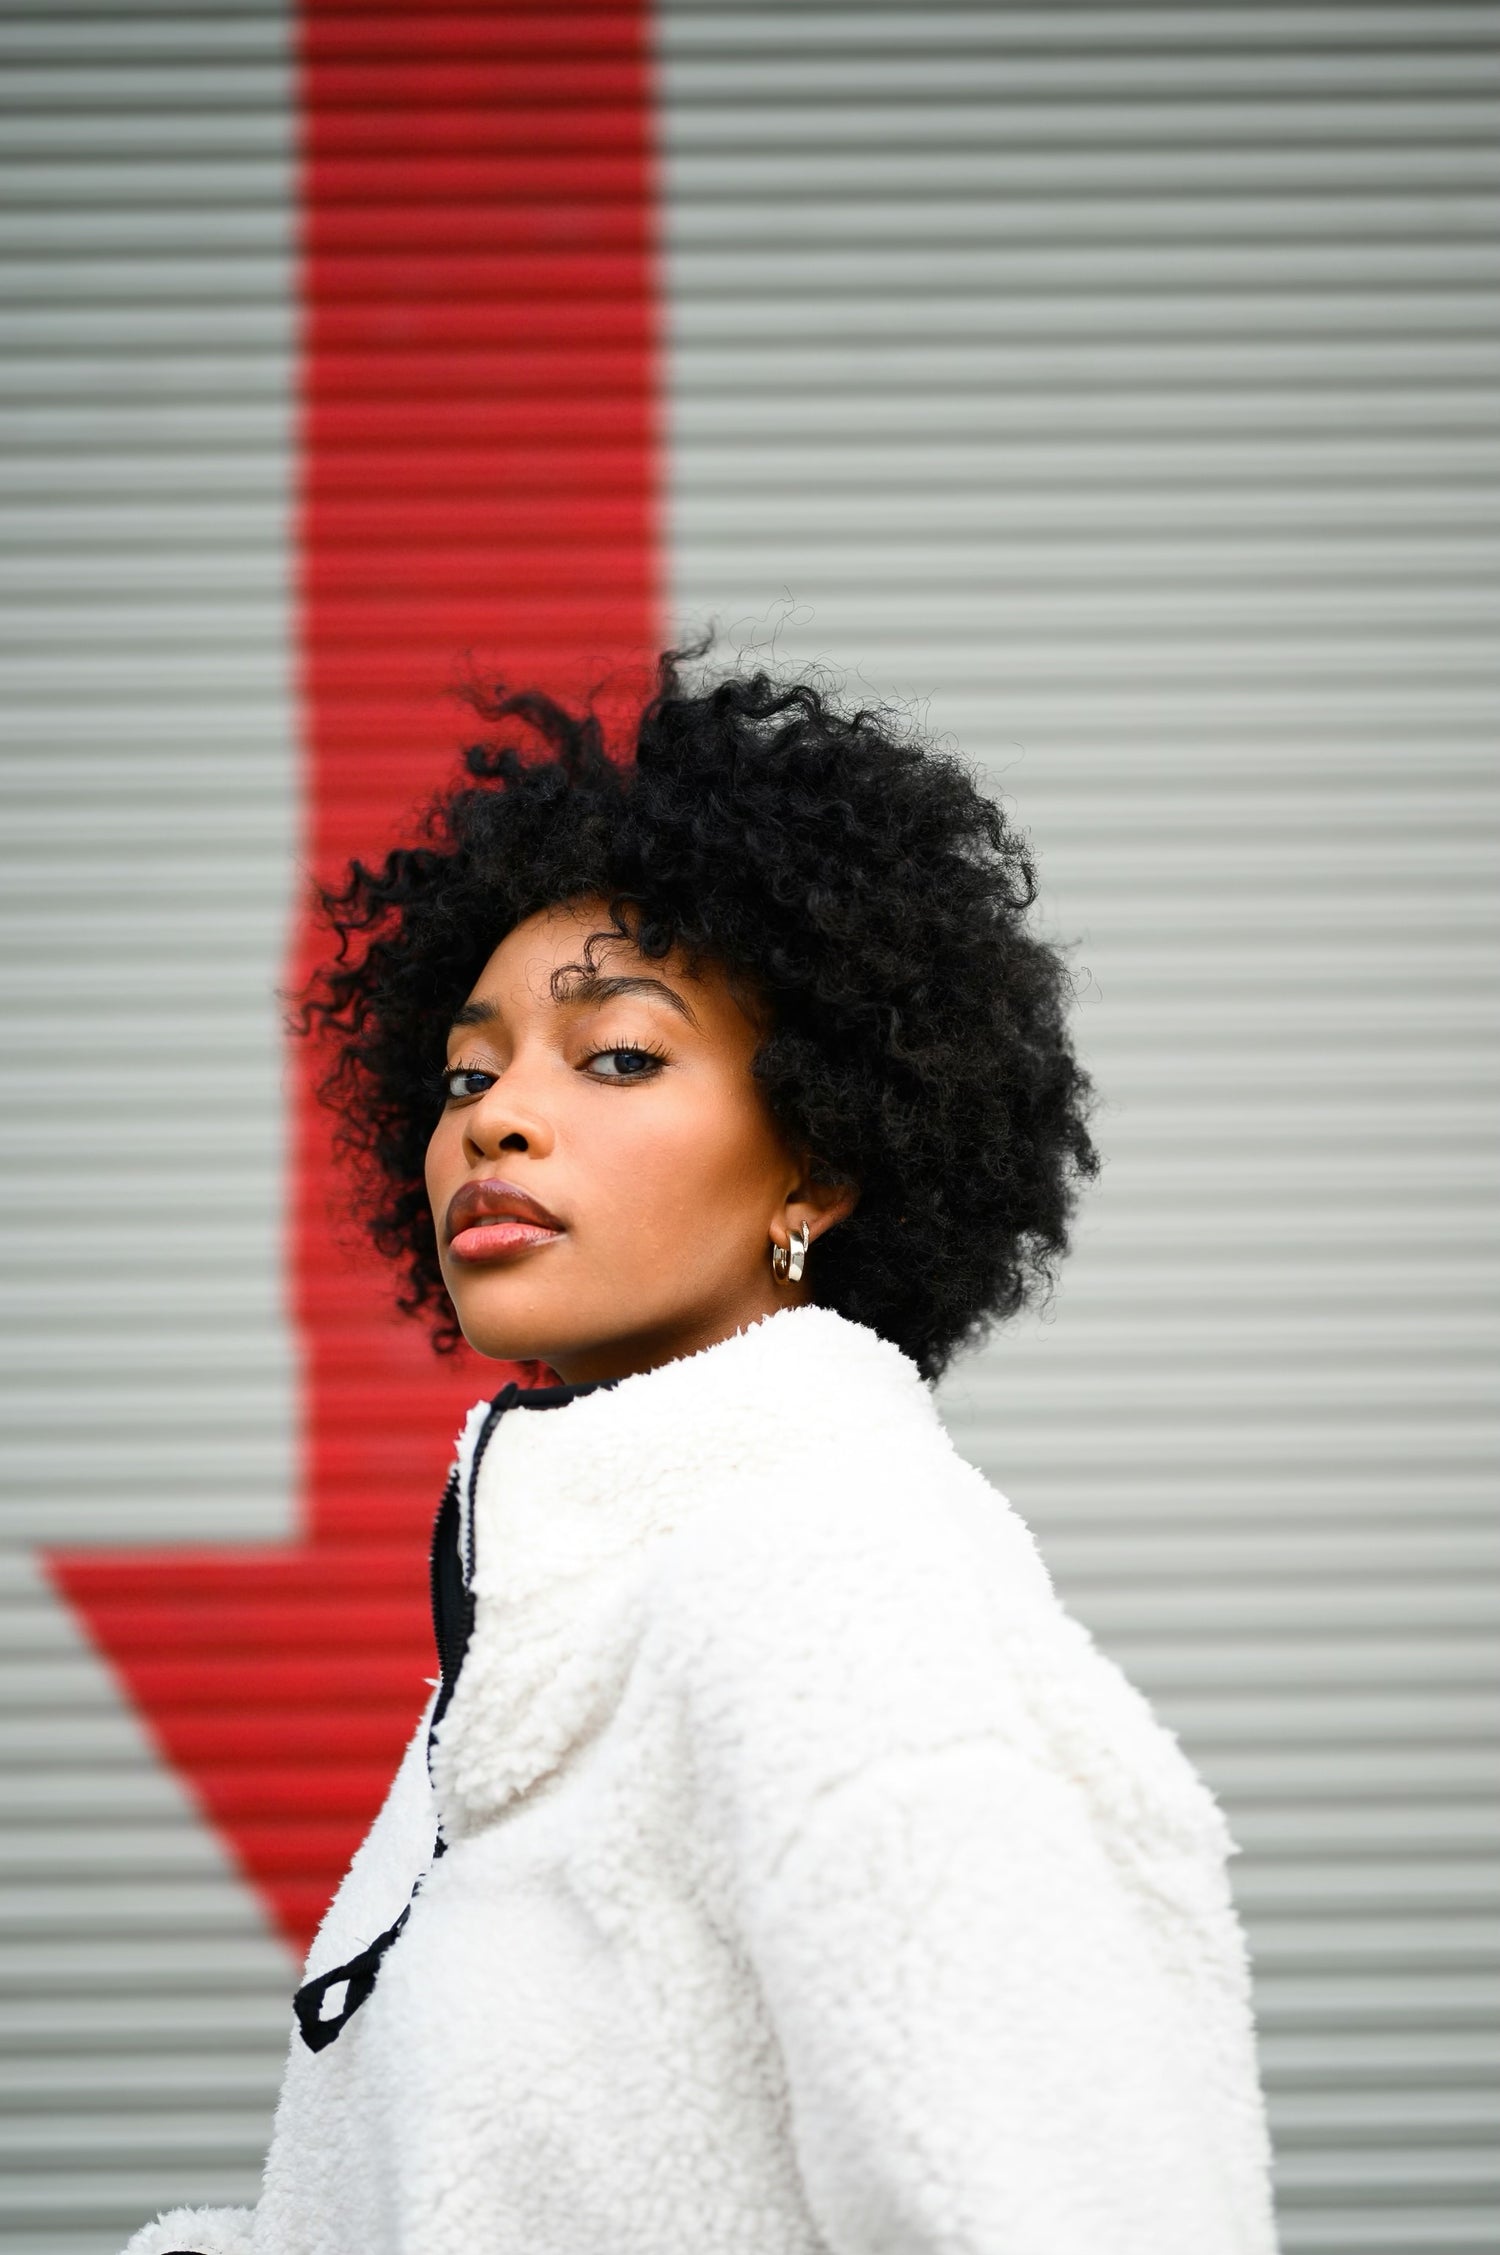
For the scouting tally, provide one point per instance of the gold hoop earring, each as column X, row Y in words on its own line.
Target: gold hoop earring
column 788, row 1261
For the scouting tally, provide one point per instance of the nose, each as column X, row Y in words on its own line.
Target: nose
column 507, row 1118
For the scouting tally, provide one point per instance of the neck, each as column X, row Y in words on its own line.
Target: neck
column 628, row 1354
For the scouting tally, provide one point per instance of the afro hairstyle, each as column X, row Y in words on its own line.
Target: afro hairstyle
column 851, row 878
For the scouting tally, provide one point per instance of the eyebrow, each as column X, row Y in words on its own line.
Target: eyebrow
column 571, row 987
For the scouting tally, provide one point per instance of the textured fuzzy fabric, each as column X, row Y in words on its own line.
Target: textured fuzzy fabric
column 197, row 2231
column 815, row 1884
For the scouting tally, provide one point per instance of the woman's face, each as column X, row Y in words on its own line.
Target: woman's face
column 605, row 1178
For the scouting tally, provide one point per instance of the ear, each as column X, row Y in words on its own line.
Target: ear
column 818, row 1205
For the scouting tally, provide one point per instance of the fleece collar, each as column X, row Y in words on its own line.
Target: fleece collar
column 569, row 1505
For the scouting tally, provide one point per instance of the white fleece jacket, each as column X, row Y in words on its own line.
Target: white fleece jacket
column 813, row 1884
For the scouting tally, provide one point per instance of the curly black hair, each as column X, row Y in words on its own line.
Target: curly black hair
column 854, row 880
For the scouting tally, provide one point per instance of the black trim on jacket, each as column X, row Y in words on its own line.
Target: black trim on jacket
column 452, row 1587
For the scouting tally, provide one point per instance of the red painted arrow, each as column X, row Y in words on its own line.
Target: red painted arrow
column 478, row 473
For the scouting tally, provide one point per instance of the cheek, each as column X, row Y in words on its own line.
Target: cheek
column 698, row 1155
column 444, row 1162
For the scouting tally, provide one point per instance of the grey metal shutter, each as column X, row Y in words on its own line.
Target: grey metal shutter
column 147, row 835
column 1117, row 385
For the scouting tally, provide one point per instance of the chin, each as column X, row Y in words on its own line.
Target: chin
column 492, row 1349
column 501, row 1332
column 505, row 1342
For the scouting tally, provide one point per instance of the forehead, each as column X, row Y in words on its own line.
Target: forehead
column 546, row 965
column 554, row 940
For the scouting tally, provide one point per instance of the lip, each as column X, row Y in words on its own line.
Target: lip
column 491, row 1220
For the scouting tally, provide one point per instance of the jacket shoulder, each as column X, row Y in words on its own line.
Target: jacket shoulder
column 888, row 1604
column 866, row 1603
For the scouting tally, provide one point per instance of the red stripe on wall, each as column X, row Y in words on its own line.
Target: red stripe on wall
column 479, row 489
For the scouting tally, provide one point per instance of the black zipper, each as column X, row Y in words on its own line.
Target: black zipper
column 451, row 1586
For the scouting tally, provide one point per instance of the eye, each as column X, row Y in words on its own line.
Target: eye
column 629, row 1064
column 460, row 1081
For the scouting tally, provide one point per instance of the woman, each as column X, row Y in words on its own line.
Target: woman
column 804, row 1878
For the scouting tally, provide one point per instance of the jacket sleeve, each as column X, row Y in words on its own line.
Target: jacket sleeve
column 980, row 2056
column 197, row 2231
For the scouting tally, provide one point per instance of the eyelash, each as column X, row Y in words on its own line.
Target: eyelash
column 442, row 1081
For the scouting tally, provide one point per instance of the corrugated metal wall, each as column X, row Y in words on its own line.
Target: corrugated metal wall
column 147, row 836
column 335, row 333
column 476, row 473
column 1118, row 384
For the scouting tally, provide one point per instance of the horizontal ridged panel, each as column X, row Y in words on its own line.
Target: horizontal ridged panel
column 1116, row 387
column 148, row 1387
column 467, row 331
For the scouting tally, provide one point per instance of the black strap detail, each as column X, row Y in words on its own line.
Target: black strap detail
column 452, row 1602
column 452, row 1564
column 452, row 1626
column 360, row 1973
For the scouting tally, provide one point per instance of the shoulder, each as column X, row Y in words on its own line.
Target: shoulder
column 853, row 1608
column 865, row 1510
